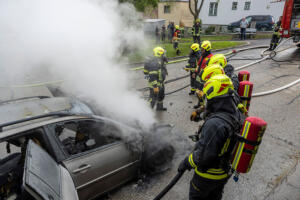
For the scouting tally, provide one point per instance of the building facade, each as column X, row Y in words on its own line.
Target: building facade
column 175, row 11
column 223, row 12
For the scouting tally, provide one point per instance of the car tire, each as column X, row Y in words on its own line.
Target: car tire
column 158, row 151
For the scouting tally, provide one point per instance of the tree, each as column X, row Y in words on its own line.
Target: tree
column 141, row 5
column 195, row 12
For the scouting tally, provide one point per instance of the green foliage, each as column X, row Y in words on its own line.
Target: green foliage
column 140, row 5
column 185, row 48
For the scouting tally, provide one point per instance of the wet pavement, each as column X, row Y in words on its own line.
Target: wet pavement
column 275, row 173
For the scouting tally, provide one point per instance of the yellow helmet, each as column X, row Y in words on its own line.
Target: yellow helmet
column 217, row 86
column 218, row 59
column 195, row 47
column 206, row 45
column 158, row 51
column 176, row 27
column 211, row 71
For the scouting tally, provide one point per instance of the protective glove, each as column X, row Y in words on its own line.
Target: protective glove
column 194, row 116
column 184, row 165
column 156, row 90
column 186, row 69
column 200, row 93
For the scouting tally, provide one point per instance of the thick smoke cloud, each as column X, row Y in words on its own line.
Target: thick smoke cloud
column 78, row 41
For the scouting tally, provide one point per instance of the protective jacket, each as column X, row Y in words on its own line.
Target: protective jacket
column 156, row 70
column 203, row 61
column 176, row 35
column 277, row 28
column 212, row 154
column 196, row 30
column 193, row 59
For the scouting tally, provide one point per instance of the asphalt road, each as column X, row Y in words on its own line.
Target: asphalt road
column 275, row 173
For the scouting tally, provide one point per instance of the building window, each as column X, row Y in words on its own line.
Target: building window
column 167, row 9
column 247, row 5
column 234, row 5
column 213, row 9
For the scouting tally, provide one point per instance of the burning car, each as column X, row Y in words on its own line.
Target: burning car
column 96, row 151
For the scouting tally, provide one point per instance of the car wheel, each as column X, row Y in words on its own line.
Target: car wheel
column 158, row 151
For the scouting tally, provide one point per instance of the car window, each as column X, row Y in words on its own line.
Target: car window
column 81, row 136
column 248, row 19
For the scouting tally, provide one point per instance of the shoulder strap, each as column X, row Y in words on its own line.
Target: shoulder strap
column 229, row 119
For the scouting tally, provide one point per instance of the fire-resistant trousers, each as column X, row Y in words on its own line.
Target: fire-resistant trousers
column 206, row 189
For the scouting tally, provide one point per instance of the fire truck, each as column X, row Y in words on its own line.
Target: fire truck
column 291, row 20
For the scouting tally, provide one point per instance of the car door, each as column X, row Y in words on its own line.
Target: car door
column 44, row 179
column 104, row 164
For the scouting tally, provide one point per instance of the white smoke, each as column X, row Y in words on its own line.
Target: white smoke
column 78, row 41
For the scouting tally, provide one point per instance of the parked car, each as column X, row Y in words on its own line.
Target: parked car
column 263, row 22
column 99, row 153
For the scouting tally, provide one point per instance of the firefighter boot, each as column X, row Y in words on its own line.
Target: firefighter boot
column 271, row 47
column 160, row 106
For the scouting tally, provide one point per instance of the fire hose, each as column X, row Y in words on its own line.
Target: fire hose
column 169, row 186
column 245, row 66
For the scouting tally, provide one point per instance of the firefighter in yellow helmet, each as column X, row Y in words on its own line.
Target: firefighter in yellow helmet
column 228, row 68
column 205, row 74
column 155, row 71
column 276, row 35
column 212, row 153
column 175, row 40
column 194, row 56
column 218, row 59
column 196, row 30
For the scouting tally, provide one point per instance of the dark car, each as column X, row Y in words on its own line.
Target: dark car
column 263, row 22
column 99, row 153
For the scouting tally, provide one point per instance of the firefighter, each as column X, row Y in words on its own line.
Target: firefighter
column 175, row 39
column 194, row 56
column 229, row 70
column 276, row 35
column 211, row 156
column 203, row 61
column 155, row 71
column 196, row 30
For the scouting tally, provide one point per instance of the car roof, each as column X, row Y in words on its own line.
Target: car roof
column 18, row 109
column 32, row 124
column 22, row 91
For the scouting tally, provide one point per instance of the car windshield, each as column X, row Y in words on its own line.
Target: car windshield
column 248, row 19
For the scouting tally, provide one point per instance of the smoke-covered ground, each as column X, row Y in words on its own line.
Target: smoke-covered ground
column 77, row 41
